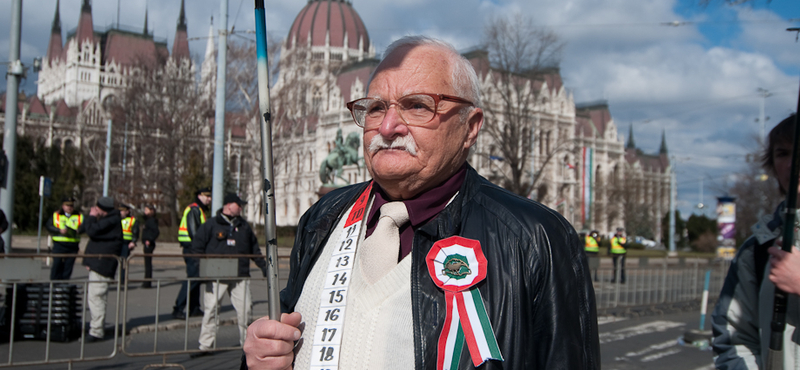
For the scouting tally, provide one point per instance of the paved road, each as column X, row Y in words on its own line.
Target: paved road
column 651, row 343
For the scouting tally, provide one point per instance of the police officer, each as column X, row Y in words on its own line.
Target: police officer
column 193, row 216
column 63, row 227
column 618, row 253
column 591, row 248
column 130, row 232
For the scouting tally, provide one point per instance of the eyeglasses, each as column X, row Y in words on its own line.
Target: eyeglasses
column 414, row 109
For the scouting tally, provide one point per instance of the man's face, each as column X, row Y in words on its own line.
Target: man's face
column 232, row 209
column 124, row 212
column 205, row 199
column 441, row 145
column 67, row 208
column 148, row 212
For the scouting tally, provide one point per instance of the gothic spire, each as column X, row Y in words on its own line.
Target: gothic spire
column 55, row 48
column 182, row 18
column 85, row 29
column 663, row 149
column 180, row 45
column 145, row 19
column 56, row 20
column 630, row 144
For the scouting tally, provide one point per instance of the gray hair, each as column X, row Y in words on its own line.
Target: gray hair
column 465, row 79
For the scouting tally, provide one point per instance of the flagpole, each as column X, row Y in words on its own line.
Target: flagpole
column 266, row 163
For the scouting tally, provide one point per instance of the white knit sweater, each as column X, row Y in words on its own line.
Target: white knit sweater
column 378, row 326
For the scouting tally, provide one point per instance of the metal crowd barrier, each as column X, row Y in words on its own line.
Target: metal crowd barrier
column 668, row 280
column 156, row 332
column 20, row 271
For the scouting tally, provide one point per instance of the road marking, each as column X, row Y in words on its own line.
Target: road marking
column 659, row 355
column 654, row 347
column 643, row 329
column 609, row 319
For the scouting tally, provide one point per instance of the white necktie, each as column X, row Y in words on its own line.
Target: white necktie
column 379, row 252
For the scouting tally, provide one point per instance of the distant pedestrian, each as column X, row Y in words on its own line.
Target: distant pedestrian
column 104, row 228
column 227, row 233
column 65, row 228
column 193, row 216
column 592, row 248
column 130, row 232
column 149, row 236
column 618, row 252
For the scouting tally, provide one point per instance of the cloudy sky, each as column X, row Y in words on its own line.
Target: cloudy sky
column 676, row 66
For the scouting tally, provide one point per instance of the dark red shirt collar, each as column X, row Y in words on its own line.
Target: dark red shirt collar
column 421, row 209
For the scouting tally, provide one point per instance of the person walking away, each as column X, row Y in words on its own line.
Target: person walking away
column 64, row 229
column 227, row 233
column 130, row 233
column 149, row 236
column 104, row 228
column 592, row 248
column 618, row 253
column 193, row 216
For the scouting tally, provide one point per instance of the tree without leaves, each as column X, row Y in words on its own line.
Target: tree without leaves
column 521, row 56
column 754, row 197
column 167, row 119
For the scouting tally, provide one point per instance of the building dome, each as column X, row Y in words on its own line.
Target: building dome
column 333, row 19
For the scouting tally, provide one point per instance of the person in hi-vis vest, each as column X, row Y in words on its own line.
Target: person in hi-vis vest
column 65, row 228
column 130, row 231
column 618, row 253
column 591, row 247
column 194, row 215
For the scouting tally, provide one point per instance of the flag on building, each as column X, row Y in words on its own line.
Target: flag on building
column 587, row 181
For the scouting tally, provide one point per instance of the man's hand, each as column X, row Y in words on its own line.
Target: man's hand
column 94, row 211
column 131, row 246
column 270, row 344
column 785, row 270
column 147, row 243
column 63, row 231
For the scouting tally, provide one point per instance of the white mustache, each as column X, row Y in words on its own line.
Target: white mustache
column 406, row 143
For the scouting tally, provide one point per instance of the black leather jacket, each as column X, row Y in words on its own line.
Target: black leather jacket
column 537, row 291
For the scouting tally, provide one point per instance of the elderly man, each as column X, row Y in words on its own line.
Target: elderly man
column 227, row 233
column 429, row 266
column 104, row 228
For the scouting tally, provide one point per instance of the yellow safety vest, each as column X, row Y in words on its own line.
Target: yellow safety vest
column 183, row 231
column 591, row 244
column 73, row 222
column 616, row 245
column 127, row 228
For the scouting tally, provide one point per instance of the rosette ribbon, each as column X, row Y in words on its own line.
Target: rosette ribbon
column 457, row 265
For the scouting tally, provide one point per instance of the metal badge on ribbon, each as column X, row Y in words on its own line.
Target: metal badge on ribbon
column 457, row 265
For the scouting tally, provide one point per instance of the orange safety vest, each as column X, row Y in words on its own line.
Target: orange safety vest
column 183, row 231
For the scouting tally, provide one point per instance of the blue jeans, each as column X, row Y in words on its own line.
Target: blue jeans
column 192, row 270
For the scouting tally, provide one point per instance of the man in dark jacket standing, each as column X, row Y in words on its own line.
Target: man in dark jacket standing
column 429, row 266
column 193, row 216
column 104, row 228
column 227, row 233
column 63, row 228
column 149, row 236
